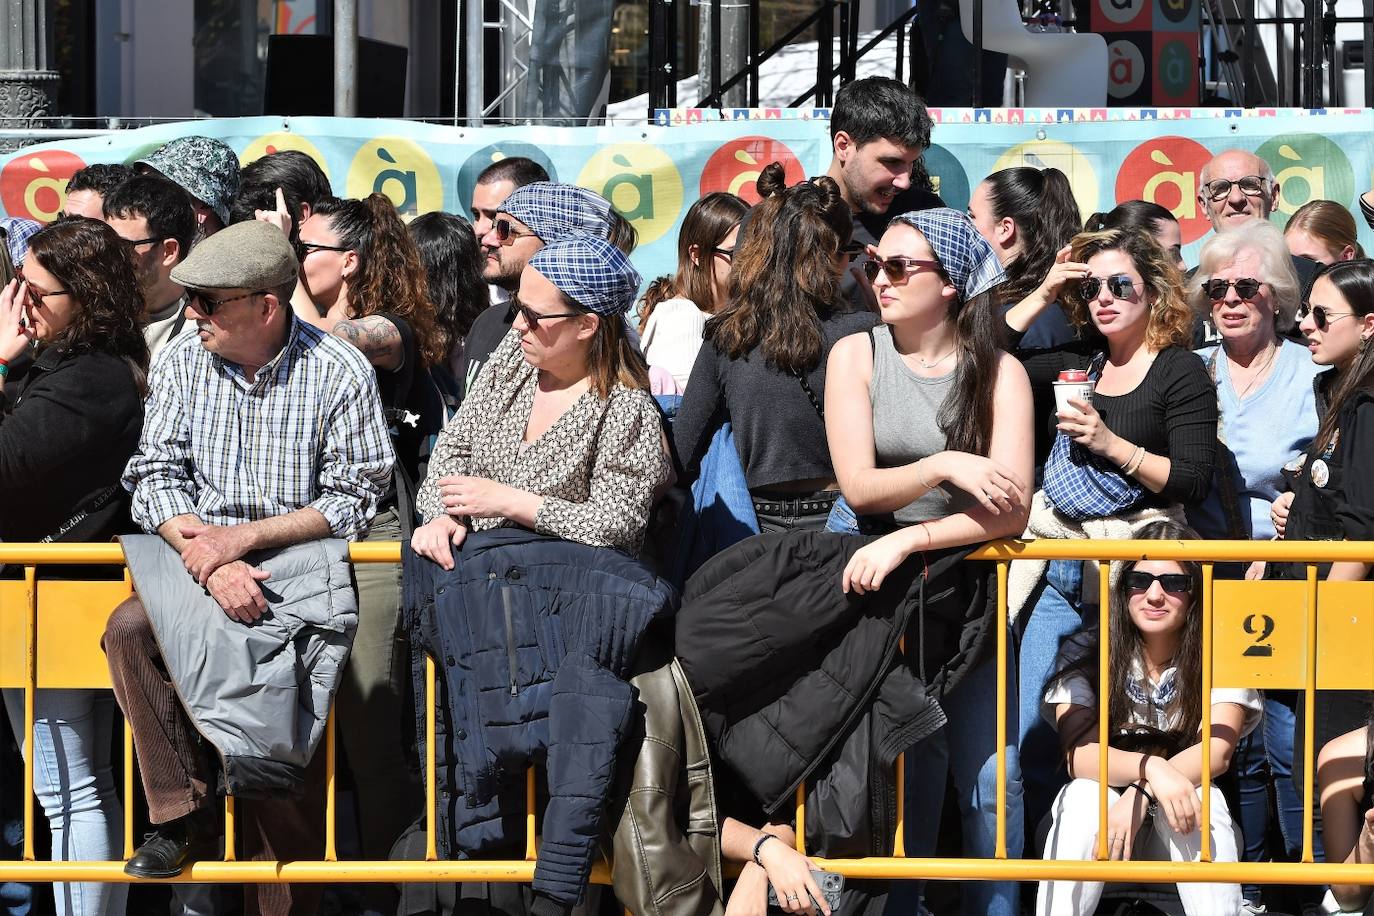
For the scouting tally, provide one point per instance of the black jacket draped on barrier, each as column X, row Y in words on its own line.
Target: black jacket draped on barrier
column 535, row 638
column 798, row 681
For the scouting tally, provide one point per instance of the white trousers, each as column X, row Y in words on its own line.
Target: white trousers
column 1074, row 836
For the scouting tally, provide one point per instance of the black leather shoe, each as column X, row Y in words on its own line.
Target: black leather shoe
column 165, row 852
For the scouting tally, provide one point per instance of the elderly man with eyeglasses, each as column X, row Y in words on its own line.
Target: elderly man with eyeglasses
column 1235, row 187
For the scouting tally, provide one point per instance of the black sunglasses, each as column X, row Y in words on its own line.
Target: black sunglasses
column 532, row 318
column 1321, row 317
column 726, row 253
column 305, row 248
column 35, row 295
column 505, row 231
column 1140, row 581
column 134, row 243
column 1119, row 285
column 1246, row 287
column 207, row 306
column 897, row 268
column 1251, row 185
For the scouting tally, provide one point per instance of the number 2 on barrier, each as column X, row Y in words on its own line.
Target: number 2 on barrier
column 1259, row 634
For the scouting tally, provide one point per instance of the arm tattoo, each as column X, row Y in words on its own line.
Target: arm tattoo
column 376, row 337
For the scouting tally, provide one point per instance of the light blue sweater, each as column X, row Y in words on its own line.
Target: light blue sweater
column 1271, row 426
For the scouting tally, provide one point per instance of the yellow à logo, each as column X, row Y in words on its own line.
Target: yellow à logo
column 641, row 182
column 401, row 170
column 282, row 140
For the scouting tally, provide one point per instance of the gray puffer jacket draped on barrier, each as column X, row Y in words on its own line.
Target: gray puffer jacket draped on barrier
column 259, row 694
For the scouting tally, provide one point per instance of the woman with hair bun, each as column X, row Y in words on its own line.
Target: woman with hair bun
column 1146, row 215
column 764, row 357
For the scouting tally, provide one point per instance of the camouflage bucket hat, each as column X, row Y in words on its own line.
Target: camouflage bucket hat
column 205, row 168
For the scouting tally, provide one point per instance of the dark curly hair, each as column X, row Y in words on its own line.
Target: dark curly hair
column 452, row 258
column 390, row 275
column 785, row 279
column 92, row 264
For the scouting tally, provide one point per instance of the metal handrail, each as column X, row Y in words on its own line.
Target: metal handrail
column 1000, row 868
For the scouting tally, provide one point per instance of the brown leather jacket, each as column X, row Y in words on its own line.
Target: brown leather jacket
column 665, row 839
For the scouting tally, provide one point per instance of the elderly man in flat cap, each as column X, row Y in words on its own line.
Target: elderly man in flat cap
column 264, row 451
column 534, row 215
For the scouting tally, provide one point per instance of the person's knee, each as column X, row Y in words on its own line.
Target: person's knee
column 127, row 627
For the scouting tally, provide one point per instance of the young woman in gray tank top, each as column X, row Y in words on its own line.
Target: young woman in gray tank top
column 929, row 425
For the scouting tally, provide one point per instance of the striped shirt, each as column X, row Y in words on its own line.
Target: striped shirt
column 306, row 432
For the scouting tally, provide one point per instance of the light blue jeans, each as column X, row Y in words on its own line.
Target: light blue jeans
column 1057, row 613
column 74, row 782
column 965, row 750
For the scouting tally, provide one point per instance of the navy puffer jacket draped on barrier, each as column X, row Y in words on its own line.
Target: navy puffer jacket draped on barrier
column 535, row 638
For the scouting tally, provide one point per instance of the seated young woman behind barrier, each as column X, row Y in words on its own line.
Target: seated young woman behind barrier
column 1345, row 776
column 1155, row 760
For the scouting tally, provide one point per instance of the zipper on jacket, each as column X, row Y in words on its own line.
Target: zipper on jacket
column 511, row 661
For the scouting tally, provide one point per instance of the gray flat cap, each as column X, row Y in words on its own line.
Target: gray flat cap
column 248, row 255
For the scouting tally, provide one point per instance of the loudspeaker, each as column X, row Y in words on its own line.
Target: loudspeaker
column 300, row 77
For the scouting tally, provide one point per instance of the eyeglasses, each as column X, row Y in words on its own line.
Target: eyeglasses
column 897, row 268
column 1177, row 583
column 134, row 243
column 851, row 251
column 1246, row 288
column 1251, row 185
column 1119, row 285
column 207, row 306
column 726, row 253
column 1321, row 316
column 505, row 231
column 36, row 296
column 532, row 318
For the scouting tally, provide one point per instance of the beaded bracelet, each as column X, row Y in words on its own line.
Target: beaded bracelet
column 759, row 842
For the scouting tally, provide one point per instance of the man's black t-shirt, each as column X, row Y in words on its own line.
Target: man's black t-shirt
column 868, row 229
column 487, row 331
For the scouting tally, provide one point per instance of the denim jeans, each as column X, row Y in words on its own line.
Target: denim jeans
column 1264, row 758
column 74, row 782
column 965, row 750
column 1057, row 613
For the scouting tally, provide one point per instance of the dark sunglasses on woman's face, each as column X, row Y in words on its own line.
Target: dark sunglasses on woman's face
column 532, row 318
column 1119, row 285
column 1246, row 287
column 1321, row 315
column 896, row 268
column 1140, row 581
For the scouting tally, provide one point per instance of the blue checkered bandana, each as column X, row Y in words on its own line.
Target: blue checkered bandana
column 17, row 232
column 553, row 210
column 968, row 259
column 590, row 271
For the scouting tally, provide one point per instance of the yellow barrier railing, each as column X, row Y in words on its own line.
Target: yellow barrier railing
column 1343, row 643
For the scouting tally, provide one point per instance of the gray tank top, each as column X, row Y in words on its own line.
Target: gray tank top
column 905, row 428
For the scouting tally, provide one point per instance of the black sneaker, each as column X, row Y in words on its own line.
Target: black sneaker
column 166, row 851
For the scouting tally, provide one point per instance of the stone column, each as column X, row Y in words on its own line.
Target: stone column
column 28, row 89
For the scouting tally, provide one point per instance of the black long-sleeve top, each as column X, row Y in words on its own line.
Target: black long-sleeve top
column 778, row 433
column 68, row 424
column 1172, row 412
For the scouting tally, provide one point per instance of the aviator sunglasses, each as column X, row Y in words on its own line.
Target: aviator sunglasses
column 1246, row 288
column 1140, row 581
column 1119, row 285
column 505, row 231
column 1321, row 316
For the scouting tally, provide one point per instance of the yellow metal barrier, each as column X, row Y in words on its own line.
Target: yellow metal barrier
column 1255, row 634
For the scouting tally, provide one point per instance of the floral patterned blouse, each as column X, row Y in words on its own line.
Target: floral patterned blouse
column 597, row 466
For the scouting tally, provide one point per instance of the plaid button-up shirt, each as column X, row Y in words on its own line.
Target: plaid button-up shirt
column 307, row 431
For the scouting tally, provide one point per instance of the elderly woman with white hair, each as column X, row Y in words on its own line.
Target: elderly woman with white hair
column 1247, row 285
column 1265, row 392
